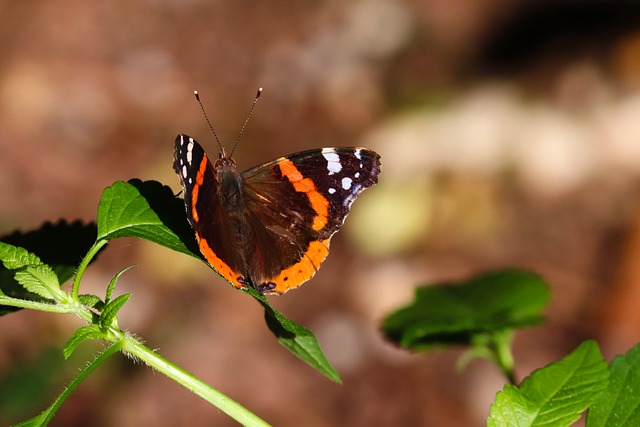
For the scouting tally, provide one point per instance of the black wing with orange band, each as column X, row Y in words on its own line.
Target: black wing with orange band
column 297, row 203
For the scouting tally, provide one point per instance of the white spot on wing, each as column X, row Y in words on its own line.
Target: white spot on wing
column 332, row 191
column 346, row 183
column 358, row 154
column 357, row 175
column 333, row 160
column 190, row 151
column 184, row 171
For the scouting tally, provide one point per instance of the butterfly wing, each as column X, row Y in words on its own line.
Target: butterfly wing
column 293, row 205
column 219, row 240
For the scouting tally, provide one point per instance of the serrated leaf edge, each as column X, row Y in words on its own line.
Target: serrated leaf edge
column 111, row 309
column 80, row 335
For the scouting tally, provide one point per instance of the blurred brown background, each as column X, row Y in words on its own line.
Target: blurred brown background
column 509, row 135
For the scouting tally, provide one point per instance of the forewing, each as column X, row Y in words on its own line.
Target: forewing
column 218, row 239
column 294, row 205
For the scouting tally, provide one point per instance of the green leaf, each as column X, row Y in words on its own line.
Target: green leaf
column 60, row 245
column 111, row 309
column 91, row 301
column 619, row 405
column 458, row 313
column 33, row 422
column 553, row 396
column 14, row 257
column 112, row 284
column 81, row 334
column 146, row 210
column 40, row 280
column 297, row 339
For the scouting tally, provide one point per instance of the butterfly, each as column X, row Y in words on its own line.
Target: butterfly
column 270, row 226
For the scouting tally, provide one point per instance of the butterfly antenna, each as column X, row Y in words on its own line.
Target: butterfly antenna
column 255, row 101
column 195, row 92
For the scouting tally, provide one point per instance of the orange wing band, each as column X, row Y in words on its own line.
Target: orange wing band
column 221, row 267
column 196, row 188
column 303, row 270
column 305, row 185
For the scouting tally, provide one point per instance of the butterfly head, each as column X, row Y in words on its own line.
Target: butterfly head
column 225, row 163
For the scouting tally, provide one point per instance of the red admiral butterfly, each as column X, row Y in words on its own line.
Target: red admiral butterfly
column 269, row 227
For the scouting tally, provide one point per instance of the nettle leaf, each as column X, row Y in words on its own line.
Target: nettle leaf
column 555, row 395
column 297, row 339
column 146, row 210
column 619, row 405
column 111, row 309
column 91, row 301
column 60, row 245
column 14, row 257
column 40, row 280
column 460, row 313
column 80, row 335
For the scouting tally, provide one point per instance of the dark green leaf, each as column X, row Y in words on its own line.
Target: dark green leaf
column 553, row 396
column 297, row 339
column 111, row 309
column 146, row 210
column 81, row 334
column 457, row 313
column 619, row 405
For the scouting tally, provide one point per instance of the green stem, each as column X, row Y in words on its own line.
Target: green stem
column 504, row 356
column 46, row 416
column 192, row 383
column 83, row 266
column 69, row 308
column 35, row 305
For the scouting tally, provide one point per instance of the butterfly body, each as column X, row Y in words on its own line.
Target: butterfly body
column 269, row 227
